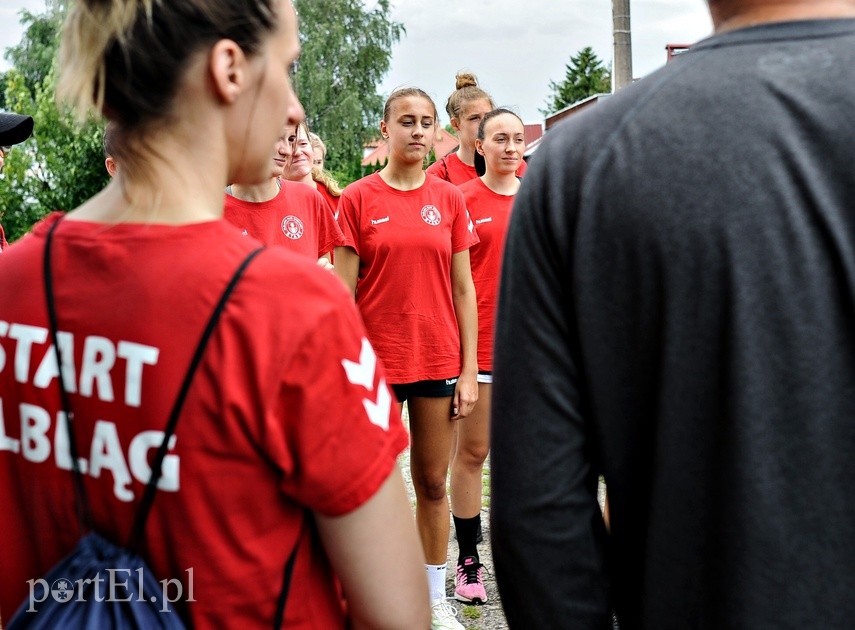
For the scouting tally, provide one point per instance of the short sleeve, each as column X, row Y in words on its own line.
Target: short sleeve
column 463, row 234
column 329, row 233
column 344, row 431
column 348, row 219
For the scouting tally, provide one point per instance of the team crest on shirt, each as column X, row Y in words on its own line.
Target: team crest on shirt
column 292, row 227
column 431, row 215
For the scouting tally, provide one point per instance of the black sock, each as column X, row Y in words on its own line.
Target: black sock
column 467, row 530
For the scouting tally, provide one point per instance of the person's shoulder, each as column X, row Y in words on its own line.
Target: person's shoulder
column 657, row 100
column 472, row 187
column 301, row 284
column 438, row 168
column 438, row 185
column 369, row 182
column 24, row 245
column 298, row 190
column 452, row 159
column 324, row 190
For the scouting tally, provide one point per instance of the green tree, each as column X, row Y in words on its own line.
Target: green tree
column 34, row 55
column 62, row 165
column 346, row 51
column 585, row 76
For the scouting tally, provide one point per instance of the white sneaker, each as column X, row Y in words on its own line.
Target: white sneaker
column 443, row 616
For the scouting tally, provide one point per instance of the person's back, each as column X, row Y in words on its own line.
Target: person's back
column 132, row 328
column 261, row 466
column 698, row 268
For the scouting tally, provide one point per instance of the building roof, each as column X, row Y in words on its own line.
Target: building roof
column 533, row 132
column 532, row 147
column 575, row 108
column 672, row 50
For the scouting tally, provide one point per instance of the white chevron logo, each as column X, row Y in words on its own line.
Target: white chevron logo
column 362, row 373
column 378, row 413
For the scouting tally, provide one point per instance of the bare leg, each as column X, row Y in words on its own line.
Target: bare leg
column 431, row 432
column 473, row 445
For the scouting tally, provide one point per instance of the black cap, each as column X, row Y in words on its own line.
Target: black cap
column 14, row 128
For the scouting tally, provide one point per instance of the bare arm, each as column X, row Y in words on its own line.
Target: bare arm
column 375, row 550
column 466, row 312
column 347, row 267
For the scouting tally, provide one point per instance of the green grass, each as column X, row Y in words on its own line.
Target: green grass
column 471, row 612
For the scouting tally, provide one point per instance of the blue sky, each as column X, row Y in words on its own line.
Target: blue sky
column 515, row 47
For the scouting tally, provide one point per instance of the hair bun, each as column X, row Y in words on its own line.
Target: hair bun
column 466, row 79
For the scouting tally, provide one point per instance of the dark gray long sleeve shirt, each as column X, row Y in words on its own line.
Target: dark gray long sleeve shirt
column 677, row 313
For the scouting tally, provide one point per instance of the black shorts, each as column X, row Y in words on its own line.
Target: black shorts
column 425, row 389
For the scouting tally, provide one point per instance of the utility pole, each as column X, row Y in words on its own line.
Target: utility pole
column 622, row 70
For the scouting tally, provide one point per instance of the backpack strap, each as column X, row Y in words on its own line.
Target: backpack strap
column 279, row 619
column 81, row 498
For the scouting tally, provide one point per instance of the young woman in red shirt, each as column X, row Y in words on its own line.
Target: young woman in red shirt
column 281, row 212
column 302, row 168
column 500, row 144
column 260, row 466
column 406, row 260
column 466, row 106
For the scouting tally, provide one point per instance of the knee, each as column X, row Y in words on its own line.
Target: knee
column 472, row 455
column 430, row 487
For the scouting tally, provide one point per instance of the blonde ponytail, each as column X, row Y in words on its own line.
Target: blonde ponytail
column 91, row 29
column 125, row 58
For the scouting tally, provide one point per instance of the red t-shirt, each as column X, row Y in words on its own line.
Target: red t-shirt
column 298, row 217
column 331, row 199
column 280, row 418
column 491, row 213
column 405, row 240
column 452, row 169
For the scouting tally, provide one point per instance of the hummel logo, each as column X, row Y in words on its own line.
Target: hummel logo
column 451, row 381
column 379, row 221
column 484, row 220
column 362, row 373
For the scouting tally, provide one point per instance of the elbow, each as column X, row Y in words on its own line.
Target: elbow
column 463, row 292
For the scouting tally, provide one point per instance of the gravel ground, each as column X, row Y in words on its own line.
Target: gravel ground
column 490, row 615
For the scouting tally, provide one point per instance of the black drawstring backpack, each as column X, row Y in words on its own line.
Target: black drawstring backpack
column 100, row 584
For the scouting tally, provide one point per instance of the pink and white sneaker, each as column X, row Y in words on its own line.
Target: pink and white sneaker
column 469, row 582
